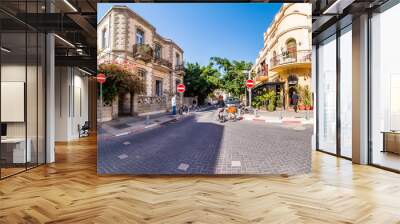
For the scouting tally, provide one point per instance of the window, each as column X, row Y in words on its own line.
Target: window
column 178, row 60
column 142, row 74
column 346, row 92
column 291, row 47
column 327, row 95
column 157, row 50
column 139, row 36
column 158, row 88
column 385, row 89
column 104, row 43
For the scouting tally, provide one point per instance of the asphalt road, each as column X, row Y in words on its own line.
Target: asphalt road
column 199, row 144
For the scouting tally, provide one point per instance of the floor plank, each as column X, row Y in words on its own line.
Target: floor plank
column 70, row 191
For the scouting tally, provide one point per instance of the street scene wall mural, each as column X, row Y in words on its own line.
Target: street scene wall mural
column 204, row 88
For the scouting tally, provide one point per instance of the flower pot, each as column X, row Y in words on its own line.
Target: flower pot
column 308, row 107
column 301, row 107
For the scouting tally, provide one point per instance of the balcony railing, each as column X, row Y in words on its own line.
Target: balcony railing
column 179, row 68
column 303, row 56
column 162, row 61
column 143, row 52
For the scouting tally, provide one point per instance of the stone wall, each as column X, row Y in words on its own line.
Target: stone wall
column 107, row 112
column 151, row 104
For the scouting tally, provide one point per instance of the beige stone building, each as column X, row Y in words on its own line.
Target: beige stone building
column 285, row 59
column 123, row 35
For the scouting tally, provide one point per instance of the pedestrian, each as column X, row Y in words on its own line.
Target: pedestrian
column 295, row 101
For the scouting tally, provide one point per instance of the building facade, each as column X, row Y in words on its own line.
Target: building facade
column 126, row 37
column 285, row 60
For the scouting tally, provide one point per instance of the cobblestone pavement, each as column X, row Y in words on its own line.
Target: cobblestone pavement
column 201, row 145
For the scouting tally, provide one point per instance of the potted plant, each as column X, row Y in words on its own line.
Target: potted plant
column 257, row 102
column 299, row 91
column 271, row 96
column 279, row 102
column 307, row 98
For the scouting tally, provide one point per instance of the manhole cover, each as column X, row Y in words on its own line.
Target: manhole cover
column 123, row 156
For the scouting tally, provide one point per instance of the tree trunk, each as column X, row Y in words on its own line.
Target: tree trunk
column 132, row 111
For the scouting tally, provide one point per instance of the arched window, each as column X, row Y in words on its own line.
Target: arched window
column 291, row 47
column 292, row 80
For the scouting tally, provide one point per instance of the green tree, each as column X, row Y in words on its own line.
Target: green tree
column 200, row 81
column 234, row 77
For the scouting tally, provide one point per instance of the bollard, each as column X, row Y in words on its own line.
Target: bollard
column 147, row 122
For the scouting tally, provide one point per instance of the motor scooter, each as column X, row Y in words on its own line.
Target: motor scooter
column 222, row 115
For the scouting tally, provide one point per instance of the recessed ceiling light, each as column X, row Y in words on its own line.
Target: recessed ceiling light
column 70, row 5
column 86, row 72
column 64, row 40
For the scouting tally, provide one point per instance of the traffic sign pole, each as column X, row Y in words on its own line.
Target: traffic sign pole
column 249, row 85
column 101, row 78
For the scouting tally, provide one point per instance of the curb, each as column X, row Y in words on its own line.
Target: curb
column 278, row 121
column 148, row 127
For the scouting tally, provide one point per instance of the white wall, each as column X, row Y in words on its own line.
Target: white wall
column 71, row 87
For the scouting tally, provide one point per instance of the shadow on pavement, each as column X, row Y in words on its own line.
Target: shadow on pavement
column 182, row 147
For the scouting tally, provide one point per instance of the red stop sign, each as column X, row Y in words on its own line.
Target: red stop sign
column 101, row 78
column 180, row 88
column 250, row 83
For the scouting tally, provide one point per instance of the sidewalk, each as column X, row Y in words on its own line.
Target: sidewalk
column 281, row 117
column 126, row 125
column 131, row 124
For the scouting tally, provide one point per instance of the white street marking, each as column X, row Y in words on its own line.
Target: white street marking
column 121, row 134
column 183, row 166
column 236, row 164
column 123, row 156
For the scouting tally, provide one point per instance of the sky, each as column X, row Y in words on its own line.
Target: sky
column 204, row 30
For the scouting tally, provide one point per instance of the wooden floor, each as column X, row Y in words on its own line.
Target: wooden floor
column 70, row 191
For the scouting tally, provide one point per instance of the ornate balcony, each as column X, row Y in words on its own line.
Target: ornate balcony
column 261, row 76
column 289, row 59
column 180, row 68
column 163, row 62
column 143, row 52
